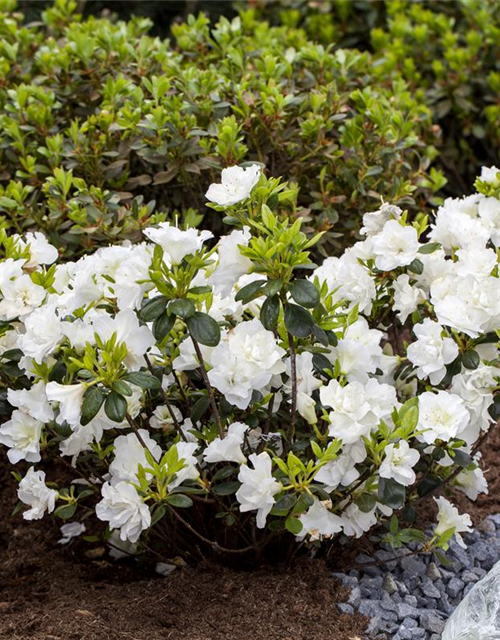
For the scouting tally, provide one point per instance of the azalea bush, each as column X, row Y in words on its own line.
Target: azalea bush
column 222, row 395
column 447, row 52
column 105, row 130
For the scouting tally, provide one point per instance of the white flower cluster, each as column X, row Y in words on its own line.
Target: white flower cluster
column 293, row 417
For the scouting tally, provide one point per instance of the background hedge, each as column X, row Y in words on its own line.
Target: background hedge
column 96, row 112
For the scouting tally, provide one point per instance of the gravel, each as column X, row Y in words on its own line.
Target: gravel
column 410, row 598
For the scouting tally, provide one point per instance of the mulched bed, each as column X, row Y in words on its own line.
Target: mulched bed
column 48, row 592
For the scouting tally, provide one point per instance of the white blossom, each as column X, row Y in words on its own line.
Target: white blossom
column 431, row 352
column 441, row 416
column 22, row 435
column 124, row 509
column 227, row 449
column 71, row 530
column 449, row 518
column 236, row 185
column 318, row 522
column 34, row 492
column 70, row 399
column 399, row 462
column 258, row 487
column 395, row 246
column 129, row 453
column 176, row 243
column 245, row 361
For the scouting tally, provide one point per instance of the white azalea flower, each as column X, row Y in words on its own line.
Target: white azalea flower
column 124, row 509
column 129, row 454
column 22, row 435
column 229, row 448
column 442, row 416
column 356, row 522
column 245, row 361
column 407, row 297
column 399, row 462
column 162, row 418
column 231, row 264
column 32, row 401
column 34, row 492
column 20, row 297
column 236, row 185
column 176, row 243
column 430, row 353
column 70, row 399
column 449, row 518
column 71, row 530
column 185, row 451
column 318, row 522
column 489, row 174
column 125, row 325
column 258, row 487
column 395, row 246
column 41, row 251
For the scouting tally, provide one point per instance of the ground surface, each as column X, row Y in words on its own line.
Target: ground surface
column 52, row 593
column 48, row 592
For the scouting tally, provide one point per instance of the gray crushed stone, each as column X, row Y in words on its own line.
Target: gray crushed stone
column 412, row 597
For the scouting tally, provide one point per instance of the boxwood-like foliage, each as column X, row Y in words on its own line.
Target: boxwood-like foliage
column 102, row 124
column 450, row 56
column 448, row 53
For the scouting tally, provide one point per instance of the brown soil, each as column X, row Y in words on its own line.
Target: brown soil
column 48, row 592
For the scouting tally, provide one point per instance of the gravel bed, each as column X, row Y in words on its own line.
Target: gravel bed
column 411, row 598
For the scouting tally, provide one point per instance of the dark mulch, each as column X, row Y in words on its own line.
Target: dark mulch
column 52, row 593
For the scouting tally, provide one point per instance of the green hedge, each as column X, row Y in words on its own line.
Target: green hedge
column 101, row 124
column 448, row 53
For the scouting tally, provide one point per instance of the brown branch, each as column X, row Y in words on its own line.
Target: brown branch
column 211, row 394
column 167, row 403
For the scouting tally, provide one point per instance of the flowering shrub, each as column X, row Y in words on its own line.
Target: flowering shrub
column 224, row 394
column 101, row 125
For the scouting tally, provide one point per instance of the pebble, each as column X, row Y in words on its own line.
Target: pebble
column 411, row 597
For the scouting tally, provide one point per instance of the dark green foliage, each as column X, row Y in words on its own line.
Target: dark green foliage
column 102, row 125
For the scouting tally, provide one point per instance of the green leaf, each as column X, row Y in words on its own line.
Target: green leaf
column 462, row 459
column 204, row 329
column 416, row 266
column 429, row 248
column 250, row 291
column 226, row 489
column 304, row 293
column 294, row 525
column 153, row 308
column 199, row 409
column 298, row 321
column 391, row 493
column 143, row 380
column 122, row 387
column 65, row 511
column 183, row 307
column 12, row 354
column 115, row 407
column 158, row 514
column 270, row 312
column 272, row 287
column 366, row 502
column 92, row 402
column 471, row 359
column 180, row 500
column 163, row 325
